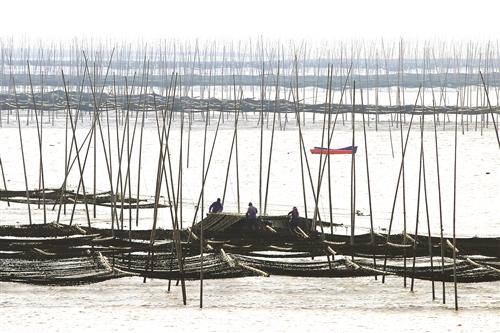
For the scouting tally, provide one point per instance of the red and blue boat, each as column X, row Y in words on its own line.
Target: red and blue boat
column 333, row 151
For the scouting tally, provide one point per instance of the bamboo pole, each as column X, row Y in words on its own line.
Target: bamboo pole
column 22, row 150
column 231, row 150
column 66, row 160
column 404, row 192
column 420, row 162
column 97, row 113
column 68, row 167
column 327, row 109
column 276, row 107
column 236, row 149
column 353, row 169
column 202, row 198
column 93, row 87
column 207, row 169
column 4, row 182
column 40, row 147
column 439, row 197
column 329, row 168
column 454, row 213
column 398, row 181
column 140, row 160
column 179, row 179
column 163, row 137
column 491, row 109
column 372, row 235
column 261, row 119
column 429, row 244
column 81, row 182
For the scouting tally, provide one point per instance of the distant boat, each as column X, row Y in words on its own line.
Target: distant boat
column 346, row 150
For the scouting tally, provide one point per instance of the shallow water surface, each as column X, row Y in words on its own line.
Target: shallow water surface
column 275, row 304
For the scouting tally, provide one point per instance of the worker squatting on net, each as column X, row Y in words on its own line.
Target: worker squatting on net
column 215, row 207
column 294, row 218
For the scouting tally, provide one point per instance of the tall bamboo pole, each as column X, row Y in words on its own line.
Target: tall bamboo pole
column 404, row 193
column 202, row 245
column 372, row 235
column 261, row 119
column 22, row 150
column 81, row 182
column 454, row 213
column 429, row 243
column 276, row 108
column 40, row 147
column 399, row 179
column 353, row 168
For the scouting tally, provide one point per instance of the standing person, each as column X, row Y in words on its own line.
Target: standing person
column 251, row 212
column 252, row 217
column 215, row 207
column 294, row 218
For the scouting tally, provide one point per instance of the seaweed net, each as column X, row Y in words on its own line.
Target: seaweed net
column 62, row 255
column 56, row 100
column 97, row 267
column 59, row 196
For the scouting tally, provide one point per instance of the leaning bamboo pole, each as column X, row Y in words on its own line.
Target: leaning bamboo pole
column 333, row 128
column 403, row 188
column 261, row 120
column 233, row 143
column 40, row 147
column 237, row 164
column 403, row 152
column 96, row 107
column 327, row 109
column 417, row 219
column 207, row 168
column 179, row 176
column 329, row 167
column 4, row 182
column 339, row 105
column 66, row 159
column 429, row 244
column 372, row 234
column 68, row 166
column 140, row 160
column 491, row 109
column 163, row 137
column 77, row 154
column 22, row 150
column 276, row 108
column 439, row 195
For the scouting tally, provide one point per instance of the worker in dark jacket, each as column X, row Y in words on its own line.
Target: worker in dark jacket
column 294, row 218
column 215, row 207
column 251, row 212
column 251, row 216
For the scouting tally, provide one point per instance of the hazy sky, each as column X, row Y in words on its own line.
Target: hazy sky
column 236, row 19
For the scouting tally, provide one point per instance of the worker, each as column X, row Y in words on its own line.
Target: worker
column 293, row 218
column 251, row 212
column 215, row 207
column 251, row 215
